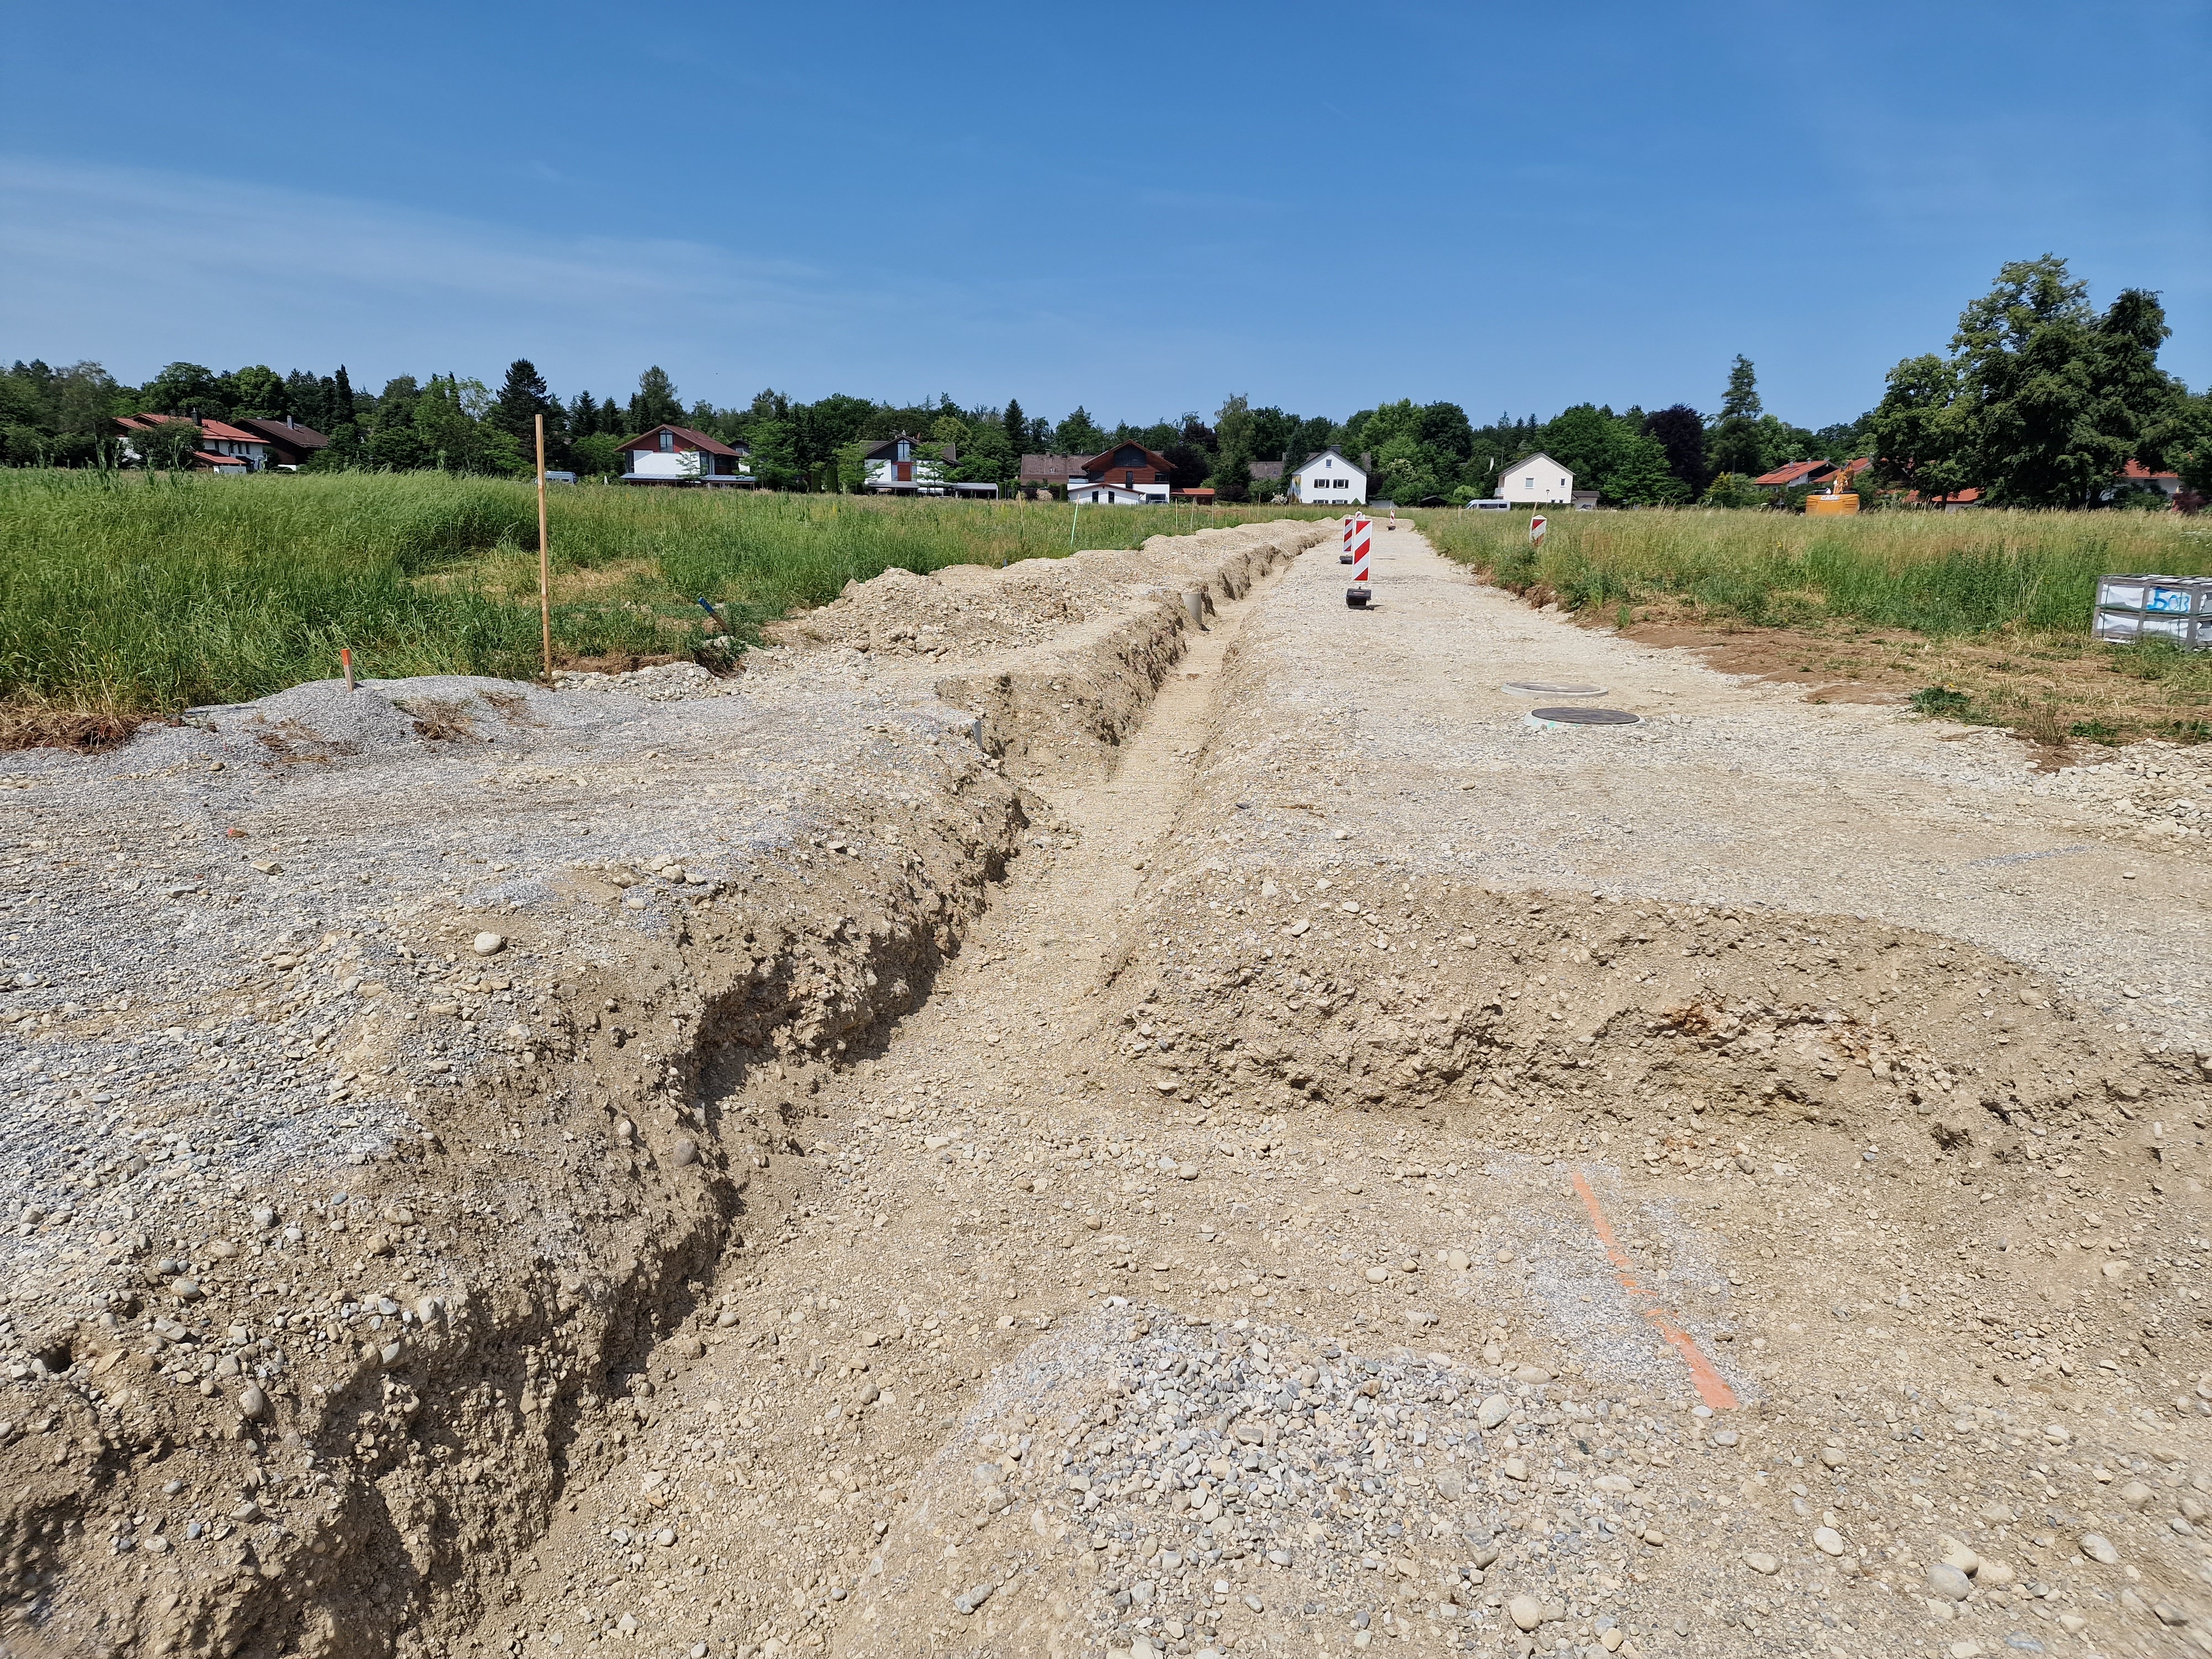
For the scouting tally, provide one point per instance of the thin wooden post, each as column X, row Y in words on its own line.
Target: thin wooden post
column 544, row 563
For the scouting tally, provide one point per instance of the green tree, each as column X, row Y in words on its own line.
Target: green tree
column 777, row 461
column 988, row 457
column 343, row 408
column 1636, row 472
column 256, row 393
column 523, row 396
column 594, row 455
column 1079, row 434
column 394, row 442
column 1308, row 440
column 1444, row 428
column 1582, row 440
column 84, row 399
column 185, row 389
column 1919, row 430
column 656, row 403
column 445, row 429
column 2057, row 398
column 1681, row 431
column 1015, row 424
column 1736, row 443
column 169, row 444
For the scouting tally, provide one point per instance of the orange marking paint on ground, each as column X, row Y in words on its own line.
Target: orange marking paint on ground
column 1712, row 1387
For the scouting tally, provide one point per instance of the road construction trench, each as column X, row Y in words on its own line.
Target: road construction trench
column 1215, row 1261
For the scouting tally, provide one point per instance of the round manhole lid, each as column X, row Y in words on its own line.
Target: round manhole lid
column 1585, row 715
column 1552, row 689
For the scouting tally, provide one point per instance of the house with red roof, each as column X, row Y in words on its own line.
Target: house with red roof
column 2135, row 476
column 223, row 448
column 1793, row 475
column 676, row 455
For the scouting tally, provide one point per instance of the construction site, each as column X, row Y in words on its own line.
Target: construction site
column 1112, row 1107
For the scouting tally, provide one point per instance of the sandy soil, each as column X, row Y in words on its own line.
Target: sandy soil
column 1351, row 1165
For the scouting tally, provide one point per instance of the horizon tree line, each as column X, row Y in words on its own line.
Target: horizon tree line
column 2038, row 401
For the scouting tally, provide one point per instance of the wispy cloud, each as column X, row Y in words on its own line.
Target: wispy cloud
column 140, row 267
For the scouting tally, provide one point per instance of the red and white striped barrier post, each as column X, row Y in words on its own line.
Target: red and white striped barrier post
column 1344, row 555
column 1363, row 545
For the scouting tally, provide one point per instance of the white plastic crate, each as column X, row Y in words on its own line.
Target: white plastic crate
column 2177, row 608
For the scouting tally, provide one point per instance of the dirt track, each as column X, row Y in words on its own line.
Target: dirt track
column 1374, row 1170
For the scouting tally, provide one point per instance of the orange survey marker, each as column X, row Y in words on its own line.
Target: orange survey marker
column 1712, row 1388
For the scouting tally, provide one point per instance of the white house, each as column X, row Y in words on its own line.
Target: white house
column 1105, row 492
column 1538, row 479
column 1329, row 479
column 904, row 467
column 222, row 446
column 677, row 455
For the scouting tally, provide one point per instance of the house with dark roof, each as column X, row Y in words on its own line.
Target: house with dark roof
column 905, row 465
column 1127, row 474
column 1331, row 479
column 1049, row 471
column 669, row 454
column 223, row 448
column 291, row 444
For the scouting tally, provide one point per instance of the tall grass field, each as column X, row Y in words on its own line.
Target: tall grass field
column 1938, row 574
column 125, row 597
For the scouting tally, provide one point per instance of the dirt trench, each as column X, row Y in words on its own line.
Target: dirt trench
column 576, row 1211
column 1219, row 1188
column 1203, row 1245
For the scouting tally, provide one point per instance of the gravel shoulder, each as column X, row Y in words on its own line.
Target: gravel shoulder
column 1024, row 1127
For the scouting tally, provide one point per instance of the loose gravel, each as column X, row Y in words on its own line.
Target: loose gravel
column 1012, row 1126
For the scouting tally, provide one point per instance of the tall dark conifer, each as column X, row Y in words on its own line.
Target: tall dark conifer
column 1681, row 431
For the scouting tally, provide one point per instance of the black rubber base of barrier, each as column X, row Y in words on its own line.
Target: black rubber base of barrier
column 1357, row 598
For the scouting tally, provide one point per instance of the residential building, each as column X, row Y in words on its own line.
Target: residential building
column 677, row 455
column 2135, row 476
column 1053, row 472
column 223, row 448
column 1107, row 492
column 1794, row 475
column 1328, row 479
column 1127, row 472
column 1266, row 471
column 291, row 444
column 904, row 465
column 1536, row 481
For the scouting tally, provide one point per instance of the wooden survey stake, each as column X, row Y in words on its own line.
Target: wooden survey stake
column 544, row 565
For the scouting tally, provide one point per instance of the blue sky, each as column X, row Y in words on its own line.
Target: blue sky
column 1513, row 206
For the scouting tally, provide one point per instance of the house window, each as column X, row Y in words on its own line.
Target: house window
column 667, row 442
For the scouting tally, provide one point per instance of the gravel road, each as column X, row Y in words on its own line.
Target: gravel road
column 1286, row 1154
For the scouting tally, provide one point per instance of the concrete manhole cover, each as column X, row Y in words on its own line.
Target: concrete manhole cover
column 1552, row 689
column 1585, row 715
